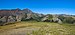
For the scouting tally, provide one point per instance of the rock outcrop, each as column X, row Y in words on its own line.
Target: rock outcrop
column 17, row 15
column 56, row 19
column 11, row 19
column 3, row 20
column 44, row 18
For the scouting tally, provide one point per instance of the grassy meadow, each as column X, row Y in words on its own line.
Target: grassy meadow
column 38, row 28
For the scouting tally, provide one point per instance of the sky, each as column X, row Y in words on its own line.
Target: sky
column 41, row 6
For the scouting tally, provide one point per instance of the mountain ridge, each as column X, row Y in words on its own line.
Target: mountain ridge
column 16, row 15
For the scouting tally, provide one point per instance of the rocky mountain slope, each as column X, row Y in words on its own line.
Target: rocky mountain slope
column 16, row 15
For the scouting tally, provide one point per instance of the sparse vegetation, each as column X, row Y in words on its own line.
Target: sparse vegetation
column 39, row 28
column 26, row 22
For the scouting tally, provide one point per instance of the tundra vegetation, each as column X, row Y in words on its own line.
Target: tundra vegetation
column 37, row 24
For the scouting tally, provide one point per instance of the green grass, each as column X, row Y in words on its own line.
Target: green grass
column 44, row 28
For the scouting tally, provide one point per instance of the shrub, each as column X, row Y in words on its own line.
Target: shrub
column 68, row 20
column 50, row 16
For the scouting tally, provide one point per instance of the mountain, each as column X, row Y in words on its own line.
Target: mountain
column 16, row 15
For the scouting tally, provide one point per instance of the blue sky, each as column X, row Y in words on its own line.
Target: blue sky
column 41, row 6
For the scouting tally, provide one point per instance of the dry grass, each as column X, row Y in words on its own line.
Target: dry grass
column 44, row 28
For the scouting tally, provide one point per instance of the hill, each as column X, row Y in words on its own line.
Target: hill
column 26, row 22
column 17, row 15
column 37, row 28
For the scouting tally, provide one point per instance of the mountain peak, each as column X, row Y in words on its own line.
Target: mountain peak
column 27, row 10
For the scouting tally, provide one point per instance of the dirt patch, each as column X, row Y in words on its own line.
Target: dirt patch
column 19, row 31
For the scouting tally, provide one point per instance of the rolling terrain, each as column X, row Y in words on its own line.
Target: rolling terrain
column 37, row 28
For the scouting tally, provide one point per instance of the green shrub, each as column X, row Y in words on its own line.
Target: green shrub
column 50, row 16
column 66, row 19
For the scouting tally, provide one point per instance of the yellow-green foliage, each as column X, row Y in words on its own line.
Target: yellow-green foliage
column 44, row 28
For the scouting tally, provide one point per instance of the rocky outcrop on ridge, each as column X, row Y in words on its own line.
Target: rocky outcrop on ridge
column 17, row 15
